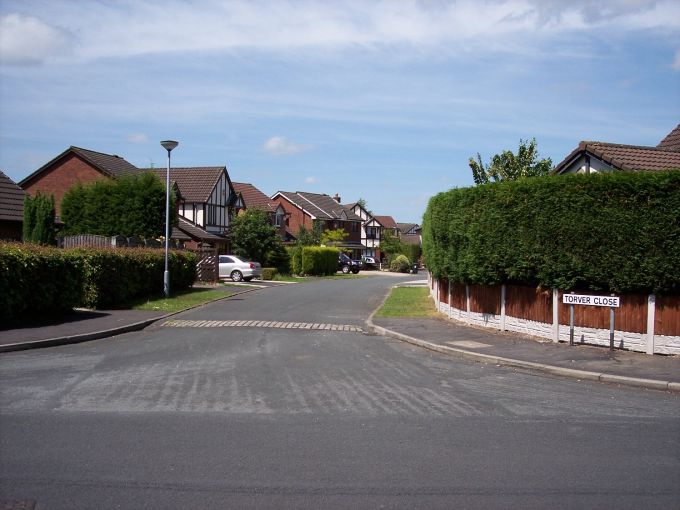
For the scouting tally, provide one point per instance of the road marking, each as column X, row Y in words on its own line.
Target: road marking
column 471, row 344
column 179, row 323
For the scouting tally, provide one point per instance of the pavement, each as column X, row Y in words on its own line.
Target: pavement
column 434, row 333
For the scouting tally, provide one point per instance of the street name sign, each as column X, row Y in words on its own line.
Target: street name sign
column 584, row 299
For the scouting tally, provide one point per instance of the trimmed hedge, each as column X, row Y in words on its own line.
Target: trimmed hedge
column 295, row 255
column 319, row 260
column 42, row 279
column 617, row 232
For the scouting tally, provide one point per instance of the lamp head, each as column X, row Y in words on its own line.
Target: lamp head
column 168, row 145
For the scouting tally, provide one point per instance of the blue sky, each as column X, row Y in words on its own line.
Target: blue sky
column 381, row 100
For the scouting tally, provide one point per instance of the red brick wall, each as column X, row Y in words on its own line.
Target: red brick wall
column 61, row 176
column 296, row 217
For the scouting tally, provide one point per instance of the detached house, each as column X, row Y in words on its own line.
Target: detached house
column 74, row 165
column 205, row 194
column 371, row 231
column 591, row 157
column 306, row 209
column 250, row 197
column 11, row 209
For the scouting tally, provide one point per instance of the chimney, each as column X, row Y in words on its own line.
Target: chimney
column 337, row 198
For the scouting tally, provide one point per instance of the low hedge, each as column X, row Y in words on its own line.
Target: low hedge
column 269, row 273
column 319, row 260
column 616, row 232
column 42, row 279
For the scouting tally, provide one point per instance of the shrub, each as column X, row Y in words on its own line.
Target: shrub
column 295, row 254
column 319, row 260
column 39, row 216
column 400, row 264
column 268, row 273
column 617, row 232
column 278, row 257
column 44, row 279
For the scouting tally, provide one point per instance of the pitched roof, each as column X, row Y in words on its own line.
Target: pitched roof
column 190, row 228
column 386, row 221
column 111, row 165
column 253, row 197
column 672, row 141
column 405, row 227
column 194, row 183
column 410, row 239
column 11, row 199
column 320, row 206
column 632, row 158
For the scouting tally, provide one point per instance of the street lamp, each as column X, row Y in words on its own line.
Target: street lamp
column 168, row 145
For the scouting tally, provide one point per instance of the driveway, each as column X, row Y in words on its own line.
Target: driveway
column 206, row 416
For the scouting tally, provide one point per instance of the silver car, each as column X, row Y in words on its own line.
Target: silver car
column 238, row 269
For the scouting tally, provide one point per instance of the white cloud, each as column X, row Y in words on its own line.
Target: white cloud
column 676, row 63
column 310, row 180
column 26, row 40
column 280, row 146
column 164, row 26
column 138, row 138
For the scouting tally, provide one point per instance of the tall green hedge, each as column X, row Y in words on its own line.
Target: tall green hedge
column 319, row 260
column 616, row 232
column 41, row 279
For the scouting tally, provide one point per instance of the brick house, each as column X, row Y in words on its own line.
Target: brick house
column 205, row 194
column 250, row 197
column 306, row 209
column 74, row 165
column 11, row 209
column 591, row 157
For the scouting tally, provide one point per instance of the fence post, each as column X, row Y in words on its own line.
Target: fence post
column 450, row 305
column 651, row 311
column 503, row 294
column 556, row 315
column 467, row 301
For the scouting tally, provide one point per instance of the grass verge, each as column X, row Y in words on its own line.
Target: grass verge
column 408, row 302
column 301, row 279
column 180, row 300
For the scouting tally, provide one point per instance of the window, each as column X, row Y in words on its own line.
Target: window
column 278, row 218
column 371, row 232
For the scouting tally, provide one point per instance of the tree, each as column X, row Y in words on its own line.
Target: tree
column 253, row 235
column 507, row 166
column 39, row 217
column 132, row 205
column 363, row 204
column 332, row 237
column 307, row 237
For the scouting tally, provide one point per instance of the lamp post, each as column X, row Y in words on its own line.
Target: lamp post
column 168, row 145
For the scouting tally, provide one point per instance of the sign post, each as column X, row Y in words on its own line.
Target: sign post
column 611, row 301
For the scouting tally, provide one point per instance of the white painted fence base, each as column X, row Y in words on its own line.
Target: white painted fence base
column 646, row 342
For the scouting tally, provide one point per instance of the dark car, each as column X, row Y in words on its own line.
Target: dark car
column 346, row 264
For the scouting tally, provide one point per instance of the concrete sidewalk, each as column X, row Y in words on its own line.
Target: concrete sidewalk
column 512, row 349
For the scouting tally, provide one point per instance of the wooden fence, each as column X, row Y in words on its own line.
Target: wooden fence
column 643, row 323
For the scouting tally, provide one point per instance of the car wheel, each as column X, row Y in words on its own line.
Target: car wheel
column 355, row 270
column 345, row 269
column 236, row 276
column 247, row 278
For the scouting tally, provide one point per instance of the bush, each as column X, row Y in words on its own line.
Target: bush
column 615, row 232
column 400, row 264
column 44, row 279
column 295, row 254
column 268, row 273
column 39, row 279
column 319, row 260
column 278, row 257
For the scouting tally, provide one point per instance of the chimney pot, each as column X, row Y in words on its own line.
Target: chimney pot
column 337, row 198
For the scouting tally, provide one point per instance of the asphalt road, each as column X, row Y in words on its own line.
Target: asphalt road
column 233, row 417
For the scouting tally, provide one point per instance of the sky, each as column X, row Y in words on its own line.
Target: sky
column 380, row 100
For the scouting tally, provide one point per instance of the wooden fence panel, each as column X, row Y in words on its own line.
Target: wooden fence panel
column 485, row 299
column 630, row 316
column 458, row 297
column 444, row 290
column 528, row 303
column 207, row 269
column 667, row 316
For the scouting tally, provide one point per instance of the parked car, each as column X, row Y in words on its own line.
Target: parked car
column 368, row 262
column 346, row 264
column 238, row 269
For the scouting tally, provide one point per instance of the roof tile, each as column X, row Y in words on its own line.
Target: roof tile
column 11, row 199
